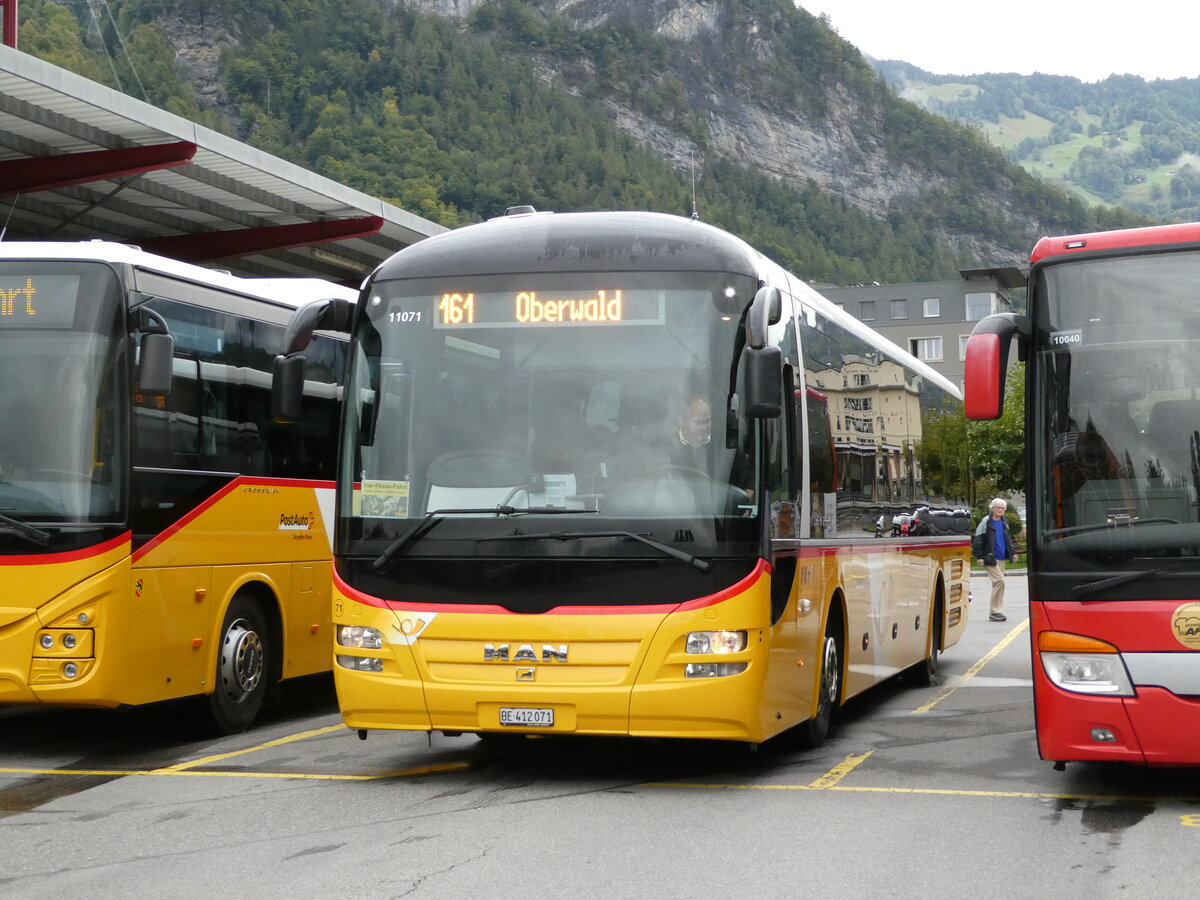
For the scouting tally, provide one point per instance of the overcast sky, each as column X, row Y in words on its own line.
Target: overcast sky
column 1150, row 38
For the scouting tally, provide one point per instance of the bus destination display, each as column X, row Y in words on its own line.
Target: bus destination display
column 506, row 309
column 38, row 301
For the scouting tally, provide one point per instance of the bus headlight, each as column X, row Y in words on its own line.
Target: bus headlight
column 361, row 663
column 716, row 641
column 1083, row 665
column 360, row 637
column 713, row 670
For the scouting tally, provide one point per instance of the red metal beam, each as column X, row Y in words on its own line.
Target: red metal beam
column 244, row 242
column 44, row 173
column 10, row 22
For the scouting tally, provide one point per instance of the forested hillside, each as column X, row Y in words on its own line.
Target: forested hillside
column 1122, row 141
column 456, row 109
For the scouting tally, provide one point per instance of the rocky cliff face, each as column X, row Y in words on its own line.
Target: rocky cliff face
column 841, row 150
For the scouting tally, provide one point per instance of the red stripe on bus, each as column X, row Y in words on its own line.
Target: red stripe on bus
column 50, row 559
column 210, row 502
column 659, row 609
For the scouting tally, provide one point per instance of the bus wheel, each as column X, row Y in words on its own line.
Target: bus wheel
column 923, row 673
column 812, row 733
column 241, row 668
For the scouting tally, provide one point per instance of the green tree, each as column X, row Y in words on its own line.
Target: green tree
column 944, row 453
column 997, row 447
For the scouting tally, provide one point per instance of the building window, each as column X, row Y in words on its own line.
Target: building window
column 931, row 307
column 928, row 349
column 962, row 346
column 980, row 305
column 862, row 380
column 899, row 309
column 866, row 310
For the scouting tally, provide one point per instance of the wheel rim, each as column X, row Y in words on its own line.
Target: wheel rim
column 241, row 661
column 829, row 675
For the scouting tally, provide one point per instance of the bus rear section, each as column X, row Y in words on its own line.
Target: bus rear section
column 1111, row 343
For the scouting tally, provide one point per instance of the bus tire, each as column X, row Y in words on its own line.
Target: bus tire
column 924, row 673
column 811, row 734
column 242, row 667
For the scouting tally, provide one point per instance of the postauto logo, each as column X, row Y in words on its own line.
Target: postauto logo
column 297, row 521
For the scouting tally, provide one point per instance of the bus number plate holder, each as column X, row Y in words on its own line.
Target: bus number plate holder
column 526, row 717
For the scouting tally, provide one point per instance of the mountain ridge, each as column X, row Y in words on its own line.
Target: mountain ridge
column 455, row 108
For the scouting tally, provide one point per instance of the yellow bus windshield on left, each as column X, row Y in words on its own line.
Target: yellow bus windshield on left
column 63, row 456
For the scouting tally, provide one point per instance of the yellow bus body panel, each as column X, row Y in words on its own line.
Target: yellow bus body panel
column 624, row 672
column 153, row 619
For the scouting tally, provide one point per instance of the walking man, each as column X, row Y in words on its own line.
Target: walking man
column 994, row 547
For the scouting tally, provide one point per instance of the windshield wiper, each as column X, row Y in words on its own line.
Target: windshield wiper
column 1092, row 587
column 673, row 552
column 427, row 524
column 31, row 534
column 1105, row 526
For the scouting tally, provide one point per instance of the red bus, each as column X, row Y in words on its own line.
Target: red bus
column 1111, row 346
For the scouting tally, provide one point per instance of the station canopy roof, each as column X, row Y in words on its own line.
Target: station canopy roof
column 79, row 161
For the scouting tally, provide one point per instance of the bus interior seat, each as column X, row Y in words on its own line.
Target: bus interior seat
column 477, row 479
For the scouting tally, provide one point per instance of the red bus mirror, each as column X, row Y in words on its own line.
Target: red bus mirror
column 987, row 363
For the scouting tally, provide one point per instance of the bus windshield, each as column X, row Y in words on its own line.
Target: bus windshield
column 605, row 401
column 62, row 458
column 1118, row 405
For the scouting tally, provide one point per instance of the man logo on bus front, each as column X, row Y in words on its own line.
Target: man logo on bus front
column 524, row 653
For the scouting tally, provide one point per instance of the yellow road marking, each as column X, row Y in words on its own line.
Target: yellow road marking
column 278, row 742
column 840, row 771
column 974, row 670
column 945, row 792
column 394, row 773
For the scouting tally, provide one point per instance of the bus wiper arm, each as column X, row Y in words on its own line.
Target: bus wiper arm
column 427, row 524
column 31, row 534
column 675, row 553
column 1092, row 587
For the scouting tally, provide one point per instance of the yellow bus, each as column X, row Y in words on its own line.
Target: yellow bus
column 619, row 474
column 160, row 536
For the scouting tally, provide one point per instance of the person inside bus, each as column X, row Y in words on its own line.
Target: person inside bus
column 693, row 434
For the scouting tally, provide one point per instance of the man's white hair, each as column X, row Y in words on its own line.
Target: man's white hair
column 998, row 501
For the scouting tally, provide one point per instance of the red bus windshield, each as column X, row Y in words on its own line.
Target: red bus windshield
column 1117, row 422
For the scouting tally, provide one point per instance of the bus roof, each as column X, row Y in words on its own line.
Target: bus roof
column 291, row 292
column 586, row 241
column 1100, row 241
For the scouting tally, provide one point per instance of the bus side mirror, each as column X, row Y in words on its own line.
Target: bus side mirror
column 287, row 372
column 287, row 388
column 321, row 315
column 765, row 310
column 987, row 363
column 156, row 356
column 764, row 382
